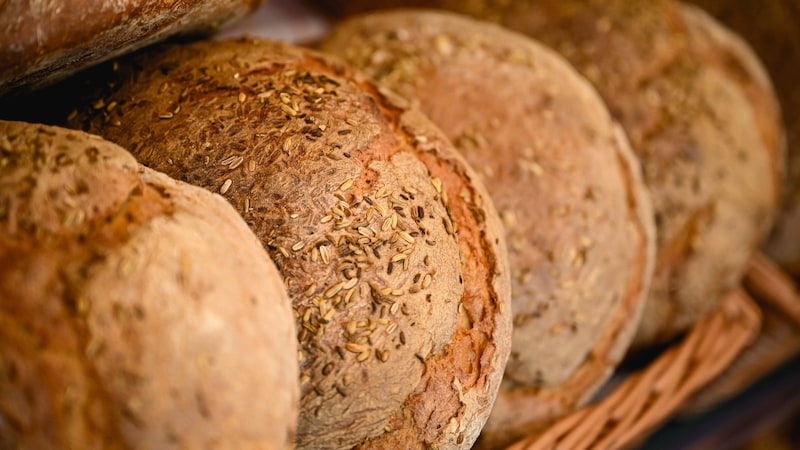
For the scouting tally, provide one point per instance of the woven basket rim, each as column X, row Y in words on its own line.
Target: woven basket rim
column 777, row 342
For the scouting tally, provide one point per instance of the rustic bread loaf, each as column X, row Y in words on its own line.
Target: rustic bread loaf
column 391, row 250
column 701, row 114
column 45, row 40
column 576, row 213
column 136, row 311
column 773, row 29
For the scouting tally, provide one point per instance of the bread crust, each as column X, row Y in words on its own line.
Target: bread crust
column 43, row 41
column 136, row 311
column 576, row 212
column 389, row 246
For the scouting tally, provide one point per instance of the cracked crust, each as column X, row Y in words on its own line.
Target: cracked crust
column 44, row 41
column 388, row 245
column 561, row 173
column 116, row 331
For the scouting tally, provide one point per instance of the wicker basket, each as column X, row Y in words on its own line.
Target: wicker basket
column 778, row 341
column 648, row 398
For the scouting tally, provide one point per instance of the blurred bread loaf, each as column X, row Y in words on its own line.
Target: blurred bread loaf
column 136, row 311
column 389, row 246
column 773, row 30
column 701, row 115
column 42, row 41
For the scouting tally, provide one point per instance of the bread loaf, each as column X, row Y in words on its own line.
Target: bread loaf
column 136, row 311
column 390, row 248
column 701, row 115
column 773, row 29
column 574, row 207
column 42, row 41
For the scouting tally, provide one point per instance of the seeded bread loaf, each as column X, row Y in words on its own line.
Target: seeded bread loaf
column 773, row 29
column 389, row 247
column 45, row 40
column 135, row 311
column 575, row 211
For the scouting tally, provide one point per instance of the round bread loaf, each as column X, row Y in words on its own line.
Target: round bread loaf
column 700, row 114
column 391, row 250
column 136, row 311
column 575, row 210
column 42, row 41
column 773, row 29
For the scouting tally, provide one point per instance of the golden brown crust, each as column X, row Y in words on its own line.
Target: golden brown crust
column 117, row 331
column 389, row 248
column 560, row 171
column 46, row 40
